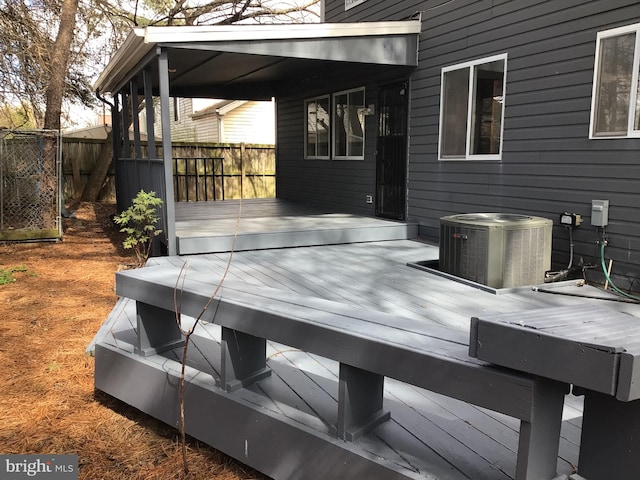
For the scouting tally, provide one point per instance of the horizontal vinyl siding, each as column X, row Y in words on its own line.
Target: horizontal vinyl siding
column 206, row 128
column 371, row 10
column 548, row 165
column 183, row 130
column 253, row 122
column 338, row 185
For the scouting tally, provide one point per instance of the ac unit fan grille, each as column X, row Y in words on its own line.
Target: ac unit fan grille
column 525, row 262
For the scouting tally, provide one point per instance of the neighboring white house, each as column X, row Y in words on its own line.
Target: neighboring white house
column 223, row 121
column 97, row 132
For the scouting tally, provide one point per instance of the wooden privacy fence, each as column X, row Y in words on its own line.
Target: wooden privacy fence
column 236, row 170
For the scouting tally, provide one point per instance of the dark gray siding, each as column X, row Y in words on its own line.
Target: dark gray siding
column 549, row 165
column 340, row 185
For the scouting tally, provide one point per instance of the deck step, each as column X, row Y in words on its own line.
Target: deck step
column 285, row 232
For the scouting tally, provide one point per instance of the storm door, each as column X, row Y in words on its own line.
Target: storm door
column 391, row 152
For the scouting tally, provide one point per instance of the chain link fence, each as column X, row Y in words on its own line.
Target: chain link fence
column 29, row 185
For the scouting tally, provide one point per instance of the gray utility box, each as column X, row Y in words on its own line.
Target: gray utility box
column 500, row 250
column 599, row 213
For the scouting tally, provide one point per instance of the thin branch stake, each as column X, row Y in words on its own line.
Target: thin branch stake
column 187, row 332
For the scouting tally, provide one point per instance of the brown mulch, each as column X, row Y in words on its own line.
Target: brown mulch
column 47, row 401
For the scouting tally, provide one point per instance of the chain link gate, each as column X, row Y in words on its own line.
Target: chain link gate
column 30, row 185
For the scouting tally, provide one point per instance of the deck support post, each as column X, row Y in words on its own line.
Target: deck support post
column 610, row 440
column 244, row 359
column 360, row 402
column 540, row 436
column 157, row 330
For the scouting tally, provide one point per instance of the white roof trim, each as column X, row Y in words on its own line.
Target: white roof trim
column 169, row 35
column 230, row 107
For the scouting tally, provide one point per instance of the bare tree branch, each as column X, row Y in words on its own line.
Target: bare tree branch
column 29, row 29
column 187, row 332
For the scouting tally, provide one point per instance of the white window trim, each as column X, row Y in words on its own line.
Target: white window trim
column 333, row 126
column 631, row 132
column 329, row 133
column 460, row 66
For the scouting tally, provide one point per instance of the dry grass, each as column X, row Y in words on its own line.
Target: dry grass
column 48, row 403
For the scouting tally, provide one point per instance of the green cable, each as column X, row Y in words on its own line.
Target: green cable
column 606, row 274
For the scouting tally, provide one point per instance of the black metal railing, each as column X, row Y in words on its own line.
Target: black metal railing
column 198, row 179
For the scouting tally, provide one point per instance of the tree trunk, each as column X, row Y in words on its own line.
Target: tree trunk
column 55, row 91
column 60, row 64
column 101, row 168
column 99, row 171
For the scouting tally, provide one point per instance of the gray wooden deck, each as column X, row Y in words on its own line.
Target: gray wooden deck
column 208, row 227
column 428, row 432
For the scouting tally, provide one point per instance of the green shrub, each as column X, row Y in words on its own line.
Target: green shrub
column 139, row 223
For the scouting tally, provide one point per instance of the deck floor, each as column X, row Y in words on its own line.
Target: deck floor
column 209, row 227
column 428, row 432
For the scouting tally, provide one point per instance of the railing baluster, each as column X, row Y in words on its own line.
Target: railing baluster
column 182, row 181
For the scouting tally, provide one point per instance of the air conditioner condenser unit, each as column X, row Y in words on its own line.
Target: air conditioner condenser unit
column 500, row 250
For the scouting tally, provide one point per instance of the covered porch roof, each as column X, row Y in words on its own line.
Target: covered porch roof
column 255, row 62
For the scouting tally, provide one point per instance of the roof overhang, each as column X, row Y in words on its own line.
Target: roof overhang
column 255, row 61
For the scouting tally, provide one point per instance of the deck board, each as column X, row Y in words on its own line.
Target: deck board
column 463, row 441
column 456, row 441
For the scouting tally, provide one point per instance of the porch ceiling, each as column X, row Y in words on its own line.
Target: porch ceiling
column 259, row 61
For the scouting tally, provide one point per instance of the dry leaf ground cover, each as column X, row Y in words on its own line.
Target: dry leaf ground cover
column 60, row 294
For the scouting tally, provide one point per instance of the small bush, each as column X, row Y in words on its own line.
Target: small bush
column 138, row 222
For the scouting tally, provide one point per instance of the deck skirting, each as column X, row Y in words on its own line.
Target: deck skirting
column 235, row 426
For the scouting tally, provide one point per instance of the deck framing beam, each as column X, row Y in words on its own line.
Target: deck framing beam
column 218, row 418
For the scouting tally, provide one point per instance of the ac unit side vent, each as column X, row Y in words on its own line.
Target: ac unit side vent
column 495, row 249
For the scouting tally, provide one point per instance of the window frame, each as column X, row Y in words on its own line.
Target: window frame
column 347, row 92
column 306, row 128
column 471, row 66
column 635, row 80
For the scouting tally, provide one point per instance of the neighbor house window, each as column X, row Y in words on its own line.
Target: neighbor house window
column 317, row 137
column 472, row 109
column 348, row 124
column 615, row 106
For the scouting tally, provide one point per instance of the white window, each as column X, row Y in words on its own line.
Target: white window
column 317, row 135
column 472, row 109
column 615, row 104
column 348, row 124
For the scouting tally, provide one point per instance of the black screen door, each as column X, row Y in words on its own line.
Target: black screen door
column 391, row 152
